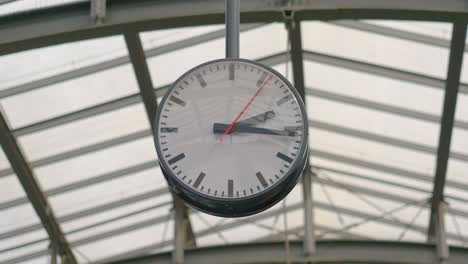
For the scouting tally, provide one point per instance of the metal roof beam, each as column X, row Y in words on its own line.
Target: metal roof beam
column 378, row 70
column 324, row 229
column 354, row 251
column 115, row 104
column 320, row 205
column 90, row 211
column 448, row 116
column 160, row 219
column 382, row 139
column 116, row 62
column 386, row 108
column 105, row 177
column 393, row 32
column 148, row 165
column 183, row 231
column 71, row 22
column 33, row 191
column 397, row 172
column 295, row 42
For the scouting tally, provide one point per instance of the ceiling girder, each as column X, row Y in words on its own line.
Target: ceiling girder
column 452, row 84
column 33, row 191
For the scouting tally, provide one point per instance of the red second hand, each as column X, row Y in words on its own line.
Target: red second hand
column 243, row 110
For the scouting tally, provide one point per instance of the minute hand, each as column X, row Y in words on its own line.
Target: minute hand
column 240, row 128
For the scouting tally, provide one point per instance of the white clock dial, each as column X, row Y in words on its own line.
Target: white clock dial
column 230, row 129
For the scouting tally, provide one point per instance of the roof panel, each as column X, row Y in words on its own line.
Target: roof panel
column 357, row 171
column 376, row 122
column 69, row 96
column 133, row 184
column 369, row 151
column 84, row 132
column 17, row 6
column 373, row 48
column 168, row 67
column 97, row 163
column 374, row 88
column 464, row 72
column 158, row 38
column 11, row 188
column 32, row 65
column 124, row 241
column 433, row 29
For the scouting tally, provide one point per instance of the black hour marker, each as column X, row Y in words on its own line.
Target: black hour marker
column 169, row 129
column 231, row 71
column 283, row 100
column 177, row 100
column 284, row 157
column 230, row 188
column 199, row 180
column 201, row 80
column 261, row 179
column 262, row 79
column 176, row 158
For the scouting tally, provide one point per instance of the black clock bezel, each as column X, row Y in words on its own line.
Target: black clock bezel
column 237, row 206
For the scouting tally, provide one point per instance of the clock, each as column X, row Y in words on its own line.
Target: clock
column 231, row 137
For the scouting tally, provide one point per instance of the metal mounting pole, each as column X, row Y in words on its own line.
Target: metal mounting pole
column 440, row 233
column 179, row 232
column 53, row 253
column 232, row 28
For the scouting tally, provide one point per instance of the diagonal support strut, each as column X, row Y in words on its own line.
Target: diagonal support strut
column 138, row 59
column 34, row 192
column 436, row 229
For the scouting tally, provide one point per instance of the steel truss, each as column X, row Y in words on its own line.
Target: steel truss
column 327, row 252
column 70, row 23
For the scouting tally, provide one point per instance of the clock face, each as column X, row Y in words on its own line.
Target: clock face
column 231, row 130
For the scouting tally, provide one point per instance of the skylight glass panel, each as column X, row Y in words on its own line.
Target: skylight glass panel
column 373, row 88
column 372, row 48
column 11, row 188
column 464, row 72
column 158, row 38
column 37, row 64
column 166, row 68
column 100, row 163
column 132, row 238
column 96, row 194
column 18, row 6
column 69, row 96
column 84, row 132
column 433, row 29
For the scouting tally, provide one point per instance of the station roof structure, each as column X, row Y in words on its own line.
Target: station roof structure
column 386, row 91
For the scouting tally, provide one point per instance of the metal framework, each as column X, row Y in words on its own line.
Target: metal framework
column 34, row 192
column 71, row 22
column 327, row 252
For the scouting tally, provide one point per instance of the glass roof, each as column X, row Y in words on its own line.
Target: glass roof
column 17, row 6
column 373, row 101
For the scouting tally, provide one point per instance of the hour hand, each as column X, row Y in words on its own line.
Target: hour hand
column 241, row 128
column 251, row 121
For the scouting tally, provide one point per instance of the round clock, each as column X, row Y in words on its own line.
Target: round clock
column 232, row 137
